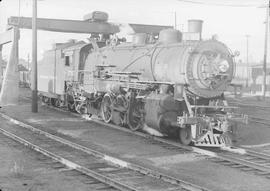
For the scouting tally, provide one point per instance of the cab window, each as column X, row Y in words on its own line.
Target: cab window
column 67, row 60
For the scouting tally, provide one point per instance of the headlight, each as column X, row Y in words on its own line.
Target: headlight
column 223, row 66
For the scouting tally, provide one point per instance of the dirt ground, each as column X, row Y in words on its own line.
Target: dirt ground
column 22, row 169
column 189, row 167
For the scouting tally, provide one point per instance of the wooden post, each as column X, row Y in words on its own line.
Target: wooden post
column 175, row 20
column 34, row 59
column 1, row 66
column 247, row 65
column 265, row 51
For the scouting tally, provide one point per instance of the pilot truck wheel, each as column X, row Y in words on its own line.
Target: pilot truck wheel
column 185, row 135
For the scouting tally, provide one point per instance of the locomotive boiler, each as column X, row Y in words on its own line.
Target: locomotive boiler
column 172, row 83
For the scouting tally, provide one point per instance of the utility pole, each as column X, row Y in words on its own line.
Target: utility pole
column 1, row 66
column 28, row 62
column 265, row 51
column 34, row 59
column 175, row 20
column 247, row 66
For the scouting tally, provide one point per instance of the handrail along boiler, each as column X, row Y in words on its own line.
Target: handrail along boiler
column 173, row 84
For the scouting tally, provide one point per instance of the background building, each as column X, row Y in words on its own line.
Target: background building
column 250, row 78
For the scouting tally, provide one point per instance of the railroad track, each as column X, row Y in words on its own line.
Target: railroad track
column 250, row 105
column 250, row 161
column 264, row 111
column 92, row 184
column 259, row 120
column 115, row 173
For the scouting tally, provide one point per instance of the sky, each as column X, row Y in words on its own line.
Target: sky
column 230, row 23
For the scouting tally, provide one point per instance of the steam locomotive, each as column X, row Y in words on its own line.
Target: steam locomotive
column 172, row 83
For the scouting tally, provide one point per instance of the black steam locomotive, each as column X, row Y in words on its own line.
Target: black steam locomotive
column 172, row 83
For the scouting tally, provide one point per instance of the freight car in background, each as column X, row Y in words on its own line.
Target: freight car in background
column 173, row 83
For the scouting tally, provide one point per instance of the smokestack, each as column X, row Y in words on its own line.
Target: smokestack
column 195, row 26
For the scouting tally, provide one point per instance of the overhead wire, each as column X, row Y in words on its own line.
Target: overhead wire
column 219, row 4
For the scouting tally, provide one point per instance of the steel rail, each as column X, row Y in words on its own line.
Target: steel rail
column 245, row 164
column 157, row 175
column 254, row 118
column 259, row 120
column 250, row 105
column 232, row 160
column 257, row 154
column 214, row 155
column 217, row 157
column 69, row 163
